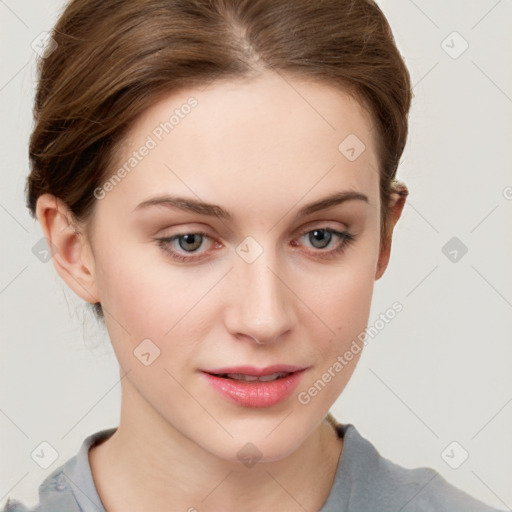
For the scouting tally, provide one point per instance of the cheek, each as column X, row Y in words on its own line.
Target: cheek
column 138, row 288
column 345, row 308
column 346, row 293
column 349, row 305
column 145, row 297
column 343, row 304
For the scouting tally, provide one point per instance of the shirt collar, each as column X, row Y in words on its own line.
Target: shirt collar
column 70, row 487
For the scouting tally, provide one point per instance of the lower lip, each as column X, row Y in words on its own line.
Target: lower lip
column 256, row 393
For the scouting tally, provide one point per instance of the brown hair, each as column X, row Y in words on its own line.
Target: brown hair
column 115, row 58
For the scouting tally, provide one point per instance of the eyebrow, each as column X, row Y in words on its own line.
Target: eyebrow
column 203, row 208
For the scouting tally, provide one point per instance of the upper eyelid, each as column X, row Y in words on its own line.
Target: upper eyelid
column 310, row 226
column 319, row 224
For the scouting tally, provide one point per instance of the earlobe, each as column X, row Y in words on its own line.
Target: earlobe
column 397, row 203
column 71, row 254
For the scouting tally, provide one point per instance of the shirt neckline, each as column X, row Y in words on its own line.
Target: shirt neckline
column 71, row 486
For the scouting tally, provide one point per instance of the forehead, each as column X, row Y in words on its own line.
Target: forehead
column 270, row 133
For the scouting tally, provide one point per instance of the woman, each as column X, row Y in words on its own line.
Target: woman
column 217, row 178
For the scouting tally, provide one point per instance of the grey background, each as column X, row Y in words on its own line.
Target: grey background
column 437, row 373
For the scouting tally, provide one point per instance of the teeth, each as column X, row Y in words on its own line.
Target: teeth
column 251, row 378
column 241, row 376
column 274, row 376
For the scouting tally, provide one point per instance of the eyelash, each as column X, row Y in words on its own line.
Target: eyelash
column 346, row 239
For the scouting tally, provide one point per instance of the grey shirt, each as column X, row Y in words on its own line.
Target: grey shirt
column 364, row 482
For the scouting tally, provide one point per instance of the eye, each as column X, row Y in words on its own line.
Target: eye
column 321, row 238
column 178, row 246
column 185, row 247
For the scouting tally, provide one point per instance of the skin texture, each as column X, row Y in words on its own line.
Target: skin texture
column 262, row 149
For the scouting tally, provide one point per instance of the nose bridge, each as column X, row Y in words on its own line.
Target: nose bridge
column 261, row 308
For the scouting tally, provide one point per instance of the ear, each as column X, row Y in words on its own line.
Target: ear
column 397, row 203
column 71, row 253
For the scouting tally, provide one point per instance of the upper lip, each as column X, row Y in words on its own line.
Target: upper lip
column 256, row 372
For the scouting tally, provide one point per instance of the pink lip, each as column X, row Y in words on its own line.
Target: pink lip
column 256, row 372
column 256, row 393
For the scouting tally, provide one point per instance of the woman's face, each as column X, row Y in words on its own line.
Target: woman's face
column 267, row 284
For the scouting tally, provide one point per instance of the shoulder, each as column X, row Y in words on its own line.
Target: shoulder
column 424, row 490
column 373, row 482
column 70, row 487
column 13, row 505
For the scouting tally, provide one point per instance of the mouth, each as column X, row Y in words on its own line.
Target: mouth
column 255, row 387
column 253, row 374
column 252, row 378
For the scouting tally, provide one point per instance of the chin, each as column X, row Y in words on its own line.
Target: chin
column 262, row 440
column 260, row 450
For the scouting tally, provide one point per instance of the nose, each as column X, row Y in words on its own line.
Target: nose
column 261, row 307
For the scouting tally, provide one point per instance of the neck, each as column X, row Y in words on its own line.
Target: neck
column 164, row 470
